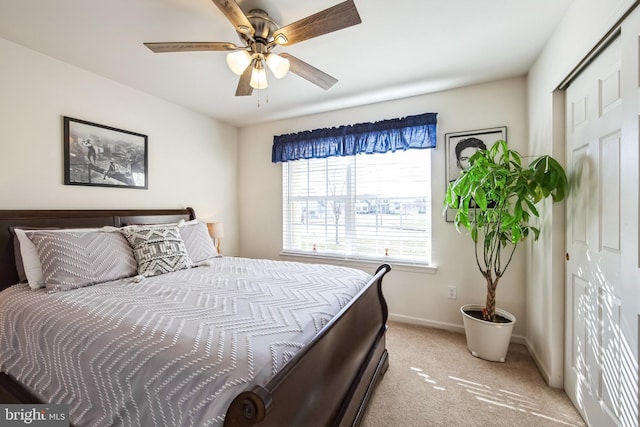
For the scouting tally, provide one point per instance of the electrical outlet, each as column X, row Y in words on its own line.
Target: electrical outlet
column 453, row 292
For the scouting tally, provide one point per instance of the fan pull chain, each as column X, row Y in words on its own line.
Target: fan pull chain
column 267, row 98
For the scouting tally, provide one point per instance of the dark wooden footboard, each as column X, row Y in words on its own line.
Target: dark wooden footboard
column 330, row 382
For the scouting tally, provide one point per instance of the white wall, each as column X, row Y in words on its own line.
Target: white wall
column 412, row 296
column 583, row 25
column 192, row 158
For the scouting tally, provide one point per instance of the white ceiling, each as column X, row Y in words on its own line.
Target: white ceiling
column 402, row 48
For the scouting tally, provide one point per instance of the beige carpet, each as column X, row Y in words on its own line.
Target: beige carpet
column 434, row 381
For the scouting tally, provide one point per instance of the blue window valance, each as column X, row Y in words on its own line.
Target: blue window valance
column 361, row 138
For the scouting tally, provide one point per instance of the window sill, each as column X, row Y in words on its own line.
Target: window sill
column 360, row 262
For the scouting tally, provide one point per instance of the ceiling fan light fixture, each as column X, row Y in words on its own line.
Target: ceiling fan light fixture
column 238, row 61
column 260, row 33
column 259, row 77
column 278, row 65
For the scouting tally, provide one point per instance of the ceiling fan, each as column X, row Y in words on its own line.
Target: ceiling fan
column 260, row 35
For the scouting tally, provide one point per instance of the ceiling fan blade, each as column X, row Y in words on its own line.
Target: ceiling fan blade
column 335, row 18
column 309, row 72
column 190, row 46
column 235, row 15
column 244, row 89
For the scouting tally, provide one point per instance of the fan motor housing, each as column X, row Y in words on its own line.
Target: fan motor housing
column 263, row 25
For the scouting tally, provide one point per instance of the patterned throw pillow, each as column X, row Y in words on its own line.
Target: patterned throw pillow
column 73, row 259
column 198, row 242
column 157, row 250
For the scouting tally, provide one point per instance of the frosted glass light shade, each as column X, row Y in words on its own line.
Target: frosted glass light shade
column 238, row 61
column 278, row 65
column 258, row 78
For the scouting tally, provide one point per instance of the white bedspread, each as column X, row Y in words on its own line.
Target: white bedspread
column 171, row 350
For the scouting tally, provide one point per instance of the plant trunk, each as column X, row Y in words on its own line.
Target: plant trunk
column 489, row 313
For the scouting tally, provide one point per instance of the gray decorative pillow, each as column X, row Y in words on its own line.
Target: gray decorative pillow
column 73, row 259
column 157, row 249
column 198, row 242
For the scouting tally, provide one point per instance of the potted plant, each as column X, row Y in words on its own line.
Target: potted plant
column 495, row 199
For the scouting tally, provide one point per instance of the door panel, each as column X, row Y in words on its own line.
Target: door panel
column 592, row 374
column 610, row 185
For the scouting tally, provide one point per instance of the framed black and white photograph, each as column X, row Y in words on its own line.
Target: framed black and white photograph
column 460, row 146
column 98, row 155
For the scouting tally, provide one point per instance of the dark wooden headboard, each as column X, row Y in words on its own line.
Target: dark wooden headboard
column 72, row 219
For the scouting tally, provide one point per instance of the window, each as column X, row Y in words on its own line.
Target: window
column 359, row 191
column 366, row 206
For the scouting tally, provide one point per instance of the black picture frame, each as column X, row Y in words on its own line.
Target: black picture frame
column 103, row 156
column 483, row 138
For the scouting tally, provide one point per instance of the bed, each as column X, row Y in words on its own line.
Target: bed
column 321, row 372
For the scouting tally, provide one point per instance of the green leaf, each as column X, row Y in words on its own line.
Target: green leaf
column 515, row 233
column 480, row 198
column 536, row 233
column 463, row 219
column 532, row 207
column 517, row 211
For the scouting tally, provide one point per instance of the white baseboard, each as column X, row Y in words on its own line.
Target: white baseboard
column 424, row 322
column 517, row 339
column 542, row 368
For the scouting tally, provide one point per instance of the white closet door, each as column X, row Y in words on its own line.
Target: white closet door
column 601, row 343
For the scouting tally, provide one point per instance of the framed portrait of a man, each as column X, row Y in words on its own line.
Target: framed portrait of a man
column 460, row 146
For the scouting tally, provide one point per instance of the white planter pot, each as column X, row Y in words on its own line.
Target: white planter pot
column 487, row 340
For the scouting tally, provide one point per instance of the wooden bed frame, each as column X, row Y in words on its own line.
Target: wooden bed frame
column 328, row 383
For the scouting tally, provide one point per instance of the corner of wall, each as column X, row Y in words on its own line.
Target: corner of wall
column 555, row 380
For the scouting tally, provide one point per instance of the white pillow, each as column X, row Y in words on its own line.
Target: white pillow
column 198, row 242
column 31, row 259
column 180, row 223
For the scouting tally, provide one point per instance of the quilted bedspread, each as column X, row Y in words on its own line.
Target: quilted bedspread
column 171, row 350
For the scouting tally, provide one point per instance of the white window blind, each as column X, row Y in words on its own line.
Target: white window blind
column 369, row 206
